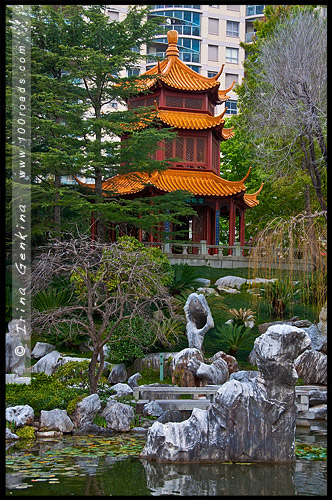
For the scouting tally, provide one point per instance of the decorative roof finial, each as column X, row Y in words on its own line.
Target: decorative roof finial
column 172, row 37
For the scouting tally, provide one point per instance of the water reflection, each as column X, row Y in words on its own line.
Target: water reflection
column 220, row 479
column 42, row 475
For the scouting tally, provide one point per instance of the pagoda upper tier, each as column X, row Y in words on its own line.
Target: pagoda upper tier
column 172, row 73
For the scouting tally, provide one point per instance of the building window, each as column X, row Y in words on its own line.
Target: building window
column 232, row 55
column 213, row 26
column 211, row 74
column 232, row 28
column 255, row 10
column 231, row 108
column 213, row 52
column 114, row 16
column 187, row 149
column 132, row 72
column 215, row 6
column 233, row 7
column 230, row 78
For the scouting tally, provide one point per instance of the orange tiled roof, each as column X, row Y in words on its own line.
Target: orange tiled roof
column 251, row 199
column 176, row 74
column 187, row 120
column 197, row 182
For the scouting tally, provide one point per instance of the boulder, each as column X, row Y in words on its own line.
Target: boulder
column 199, row 319
column 207, row 291
column 180, row 371
column 86, row 410
column 51, row 435
column 213, row 374
column 55, row 420
column 311, row 366
column 118, row 416
column 170, row 416
column 232, row 364
column 118, row 374
column 69, row 359
column 244, row 375
column 132, row 381
column 152, row 409
column 12, row 378
column 251, row 421
column 10, row 435
column 318, row 339
column 227, row 289
column 48, row 364
column 322, row 325
column 41, row 349
column 16, row 355
column 319, row 412
column 121, row 390
column 21, row 415
column 230, row 282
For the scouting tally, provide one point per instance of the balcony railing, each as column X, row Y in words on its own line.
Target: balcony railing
column 250, row 36
column 186, row 57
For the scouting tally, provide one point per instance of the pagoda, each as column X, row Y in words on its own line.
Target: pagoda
column 186, row 100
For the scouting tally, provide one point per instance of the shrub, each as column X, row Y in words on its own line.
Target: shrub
column 184, row 278
column 51, row 299
column 26, row 432
column 242, row 317
column 279, row 294
column 71, row 406
column 73, row 373
column 235, row 337
column 66, row 336
column 45, row 392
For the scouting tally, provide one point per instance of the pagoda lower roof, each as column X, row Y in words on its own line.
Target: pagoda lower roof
column 197, row 182
column 194, row 121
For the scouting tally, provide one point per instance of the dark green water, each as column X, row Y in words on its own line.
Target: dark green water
column 82, row 466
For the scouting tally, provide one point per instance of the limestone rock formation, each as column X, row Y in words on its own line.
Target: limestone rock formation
column 118, row 374
column 55, row 420
column 86, row 410
column 181, row 374
column 41, row 349
column 118, row 416
column 21, row 415
column 48, row 364
column 311, row 366
column 249, row 421
column 199, row 319
column 216, row 373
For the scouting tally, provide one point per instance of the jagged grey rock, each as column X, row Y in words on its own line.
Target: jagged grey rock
column 203, row 282
column 311, row 366
column 244, row 375
column 41, row 349
column 48, row 364
column 199, row 319
column 232, row 364
column 55, row 420
column 180, row 372
column 94, row 429
column 170, row 416
column 152, row 409
column 231, row 282
column 322, row 325
column 318, row 339
column 118, row 417
column 12, row 378
column 21, row 415
column 86, row 410
column 121, row 390
column 15, row 363
column 249, row 421
column 118, row 374
column 10, row 435
column 216, row 373
column 132, row 381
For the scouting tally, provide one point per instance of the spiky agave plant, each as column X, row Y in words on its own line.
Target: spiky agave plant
column 244, row 316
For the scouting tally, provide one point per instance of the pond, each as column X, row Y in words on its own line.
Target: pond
column 94, row 466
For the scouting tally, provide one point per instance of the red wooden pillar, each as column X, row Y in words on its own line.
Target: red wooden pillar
column 242, row 228
column 231, row 231
column 217, row 226
column 208, row 225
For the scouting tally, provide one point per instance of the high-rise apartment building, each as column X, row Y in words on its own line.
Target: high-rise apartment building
column 209, row 36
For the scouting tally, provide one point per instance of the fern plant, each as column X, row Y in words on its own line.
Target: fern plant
column 242, row 316
column 184, row 278
column 51, row 298
column 235, row 337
